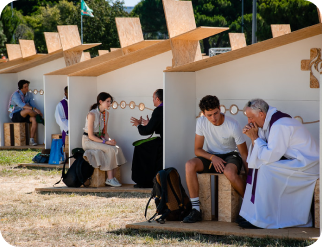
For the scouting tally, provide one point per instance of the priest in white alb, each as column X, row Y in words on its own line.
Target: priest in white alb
column 283, row 163
column 61, row 114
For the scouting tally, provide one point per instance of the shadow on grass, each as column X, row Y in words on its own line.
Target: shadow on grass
column 212, row 239
column 127, row 195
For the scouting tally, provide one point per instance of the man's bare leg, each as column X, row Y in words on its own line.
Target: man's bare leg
column 32, row 117
column 192, row 167
column 237, row 183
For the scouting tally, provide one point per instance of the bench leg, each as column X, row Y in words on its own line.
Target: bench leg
column 117, row 173
column 98, row 178
column 204, row 181
column 317, row 204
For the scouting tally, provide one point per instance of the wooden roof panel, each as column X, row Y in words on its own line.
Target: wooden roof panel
column 200, row 33
column 250, row 50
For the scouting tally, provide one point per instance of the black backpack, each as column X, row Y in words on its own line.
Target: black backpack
column 79, row 171
column 170, row 198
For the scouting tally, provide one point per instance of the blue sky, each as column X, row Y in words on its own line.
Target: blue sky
column 130, row 3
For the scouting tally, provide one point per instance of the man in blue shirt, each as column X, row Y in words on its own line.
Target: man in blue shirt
column 22, row 108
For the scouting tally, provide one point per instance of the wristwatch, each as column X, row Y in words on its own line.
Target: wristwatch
column 104, row 141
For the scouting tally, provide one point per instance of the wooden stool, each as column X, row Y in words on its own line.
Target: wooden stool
column 99, row 177
column 17, row 134
column 227, row 202
column 317, row 204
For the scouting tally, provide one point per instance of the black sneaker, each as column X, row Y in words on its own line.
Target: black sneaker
column 193, row 217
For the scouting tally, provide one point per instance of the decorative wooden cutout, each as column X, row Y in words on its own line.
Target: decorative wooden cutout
column 129, row 31
column 53, row 42
column 85, row 56
column 314, row 65
column 27, row 47
column 102, row 52
column 319, row 14
column 237, row 40
column 14, row 51
column 279, row 30
column 69, row 36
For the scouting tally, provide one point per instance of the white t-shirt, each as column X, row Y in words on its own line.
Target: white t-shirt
column 220, row 139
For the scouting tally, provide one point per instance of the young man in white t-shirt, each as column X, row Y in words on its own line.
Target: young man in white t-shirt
column 215, row 147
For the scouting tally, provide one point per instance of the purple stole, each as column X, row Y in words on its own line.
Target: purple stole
column 276, row 116
column 65, row 107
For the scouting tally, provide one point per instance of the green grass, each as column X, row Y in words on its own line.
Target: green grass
column 9, row 157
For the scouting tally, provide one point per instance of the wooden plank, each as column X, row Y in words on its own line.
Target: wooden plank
column 204, row 181
column 129, row 30
column 185, row 51
column 6, row 133
column 179, row 17
column 279, row 30
column 19, row 130
column 41, row 165
column 39, row 59
column 102, row 52
column 250, row 50
column 27, row 47
column 22, row 147
column 83, row 47
column 89, row 63
column 85, row 56
column 53, row 42
column 114, row 49
column 140, row 45
column 227, row 229
column 14, row 51
column 237, row 40
column 200, row 33
column 125, row 60
column 317, row 204
column 123, row 188
column 69, row 36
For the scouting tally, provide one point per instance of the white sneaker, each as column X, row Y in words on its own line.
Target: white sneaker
column 112, row 182
column 32, row 142
column 117, row 180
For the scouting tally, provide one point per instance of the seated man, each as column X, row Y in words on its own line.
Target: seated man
column 22, row 108
column 220, row 134
column 61, row 114
column 148, row 157
column 283, row 165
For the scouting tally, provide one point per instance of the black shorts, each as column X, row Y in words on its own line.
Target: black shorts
column 232, row 157
column 17, row 118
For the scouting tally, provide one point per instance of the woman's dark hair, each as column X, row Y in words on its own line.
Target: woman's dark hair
column 21, row 83
column 159, row 94
column 102, row 96
column 209, row 103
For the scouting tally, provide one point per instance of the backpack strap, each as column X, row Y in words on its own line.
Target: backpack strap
column 146, row 210
column 63, row 172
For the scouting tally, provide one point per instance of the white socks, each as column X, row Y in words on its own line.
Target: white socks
column 195, row 203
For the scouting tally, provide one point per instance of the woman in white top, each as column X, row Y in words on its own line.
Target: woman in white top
column 100, row 150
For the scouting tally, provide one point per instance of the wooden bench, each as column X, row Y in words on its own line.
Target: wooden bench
column 17, row 134
column 317, row 204
column 227, row 200
column 99, row 177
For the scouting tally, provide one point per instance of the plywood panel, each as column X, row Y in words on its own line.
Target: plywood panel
column 72, row 57
column 53, row 42
column 185, row 51
column 200, row 33
column 251, row 49
column 102, row 52
column 83, row 47
column 204, row 181
column 129, row 31
column 87, row 64
column 114, row 49
column 237, row 40
column 14, row 51
column 179, row 17
column 140, row 45
column 69, row 36
column 85, row 56
column 38, row 60
column 27, row 47
column 126, row 60
column 279, row 30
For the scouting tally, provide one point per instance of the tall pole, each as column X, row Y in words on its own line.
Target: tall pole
column 13, row 35
column 242, row 24
column 81, row 23
column 254, row 25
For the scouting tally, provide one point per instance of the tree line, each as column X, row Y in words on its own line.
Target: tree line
column 33, row 17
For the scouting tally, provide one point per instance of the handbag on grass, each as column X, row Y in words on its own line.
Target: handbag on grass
column 139, row 142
